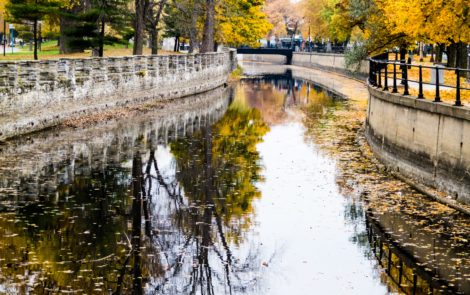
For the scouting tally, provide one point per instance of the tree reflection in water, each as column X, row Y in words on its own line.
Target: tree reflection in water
column 165, row 221
column 208, row 201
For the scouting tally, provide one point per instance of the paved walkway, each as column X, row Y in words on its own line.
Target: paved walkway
column 345, row 86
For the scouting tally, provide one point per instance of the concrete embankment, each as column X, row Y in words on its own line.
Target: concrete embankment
column 330, row 62
column 38, row 94
column 422, row 139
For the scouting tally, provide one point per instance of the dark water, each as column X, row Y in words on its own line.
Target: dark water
column 220, row 194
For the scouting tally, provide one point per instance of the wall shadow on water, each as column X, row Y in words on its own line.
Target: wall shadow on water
column 404, row 273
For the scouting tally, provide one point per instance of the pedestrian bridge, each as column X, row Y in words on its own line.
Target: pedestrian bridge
column 272, row 51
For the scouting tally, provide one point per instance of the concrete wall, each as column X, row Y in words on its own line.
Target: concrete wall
column 327, row 61
column 422, row 139
column 39, row 94
column 269, row 58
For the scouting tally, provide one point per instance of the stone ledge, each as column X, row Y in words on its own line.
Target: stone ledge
column 320, row 53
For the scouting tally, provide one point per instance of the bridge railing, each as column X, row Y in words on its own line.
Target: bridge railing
column 435, row 79
column 323, row 49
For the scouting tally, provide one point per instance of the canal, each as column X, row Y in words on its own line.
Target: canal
column 260, row 187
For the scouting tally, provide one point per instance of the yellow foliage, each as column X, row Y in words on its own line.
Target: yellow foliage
column 241, row 23
column 437, row 21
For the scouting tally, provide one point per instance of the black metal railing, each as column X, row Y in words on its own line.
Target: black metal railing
column 381, row 69
column 320, row 48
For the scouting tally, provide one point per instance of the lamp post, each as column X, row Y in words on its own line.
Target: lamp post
column 4, row 36
column 309, row 39
column 12, row 31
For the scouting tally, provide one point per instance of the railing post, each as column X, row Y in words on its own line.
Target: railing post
column 457, row 90
column 405, row 78
column 438, row 97
column 379, row 82
column 394, row 89
column 420, row 94
column 386, row 76
column 373, row 73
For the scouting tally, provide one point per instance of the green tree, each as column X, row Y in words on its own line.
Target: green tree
column 176, row 14
column 154, row 11
column 105, row 22
column 31, row 12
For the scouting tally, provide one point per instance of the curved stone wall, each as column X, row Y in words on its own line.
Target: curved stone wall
column 422, row 139
column 328, row 61
column 39, row 94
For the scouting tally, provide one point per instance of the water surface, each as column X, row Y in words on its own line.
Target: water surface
column 221, row 194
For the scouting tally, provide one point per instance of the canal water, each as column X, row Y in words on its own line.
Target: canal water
column 228, row 192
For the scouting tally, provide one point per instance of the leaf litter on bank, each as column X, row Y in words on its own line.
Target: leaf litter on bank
column 339, row 131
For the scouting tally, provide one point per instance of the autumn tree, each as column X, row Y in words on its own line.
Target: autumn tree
column 316, row 24
column 236, row 23
column 284, row 16
column 241, row 22
column 439, row 22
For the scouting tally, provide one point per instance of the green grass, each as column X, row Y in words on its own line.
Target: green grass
column 50, row 50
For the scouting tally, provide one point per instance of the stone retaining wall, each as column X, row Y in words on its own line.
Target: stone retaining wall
column 422, row 139
column 327, row 61
column 39, row 94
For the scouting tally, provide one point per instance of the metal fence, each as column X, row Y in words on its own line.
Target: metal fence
column 381, row 69
column 323, row 48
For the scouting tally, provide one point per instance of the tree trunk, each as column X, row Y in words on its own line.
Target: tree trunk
column 452, row 55
column 192, row 40
column 432, row 53
column 101, row 45
column 439, row 52
column 402, row 53
column 158, row 17
column 35, row 39
column 462, row 56
column 176, row 44
column 208, row 30
column 139, row 28
column 193, row 30
column 402, row 59
column 154, row 40
column 293, row 35
column 421, row 53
